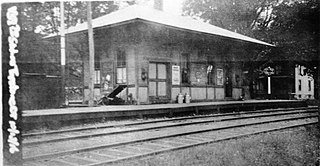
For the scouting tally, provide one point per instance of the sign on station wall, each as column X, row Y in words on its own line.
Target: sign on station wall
column 219, row 76
column 175, row 75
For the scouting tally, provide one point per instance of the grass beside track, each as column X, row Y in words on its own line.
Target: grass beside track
column 293, row 147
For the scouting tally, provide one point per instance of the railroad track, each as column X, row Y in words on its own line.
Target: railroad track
column 101, row 145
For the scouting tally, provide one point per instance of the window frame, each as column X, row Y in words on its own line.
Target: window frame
column 309, row 85
column 299, row 85
column 97, row 71
column 211, row 74
column 121, row 64
column 185, row 68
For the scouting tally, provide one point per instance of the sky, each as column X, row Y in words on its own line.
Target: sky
column 170, row 6
column 173, row 6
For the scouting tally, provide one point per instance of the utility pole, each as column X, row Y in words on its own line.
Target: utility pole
column 91, row 55
column 318, row 89
column 63, row 54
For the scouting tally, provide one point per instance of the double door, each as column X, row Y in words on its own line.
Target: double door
column 158, row 82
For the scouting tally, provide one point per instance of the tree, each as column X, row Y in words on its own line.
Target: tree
column 44, row 17
column 237, row 16
column 40, row 19
column 291, row 25
column 295, row 29
column 36, row 55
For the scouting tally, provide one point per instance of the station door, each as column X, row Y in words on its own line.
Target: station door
column 158, row 82
column 228, row 83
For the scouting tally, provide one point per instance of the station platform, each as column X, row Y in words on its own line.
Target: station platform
column 85, row 114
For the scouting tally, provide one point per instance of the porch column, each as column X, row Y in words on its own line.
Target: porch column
column 91, row 55
column 136, row 75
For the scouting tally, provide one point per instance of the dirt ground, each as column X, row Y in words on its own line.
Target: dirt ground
column 292, row 147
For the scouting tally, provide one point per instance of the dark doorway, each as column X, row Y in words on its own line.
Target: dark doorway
column 228, row 83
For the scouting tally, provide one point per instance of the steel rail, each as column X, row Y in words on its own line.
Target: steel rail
column 199, row 144
column 160, row 127
column 163, row 120
column 68, row 152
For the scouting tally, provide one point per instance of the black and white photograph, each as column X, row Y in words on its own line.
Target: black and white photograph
column 160, row 83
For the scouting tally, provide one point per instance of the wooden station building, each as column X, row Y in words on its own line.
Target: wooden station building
column 157, row 56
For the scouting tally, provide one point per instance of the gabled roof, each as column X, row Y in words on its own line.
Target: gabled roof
column 161, row 17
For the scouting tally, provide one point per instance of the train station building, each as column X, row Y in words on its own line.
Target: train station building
column 156, row 56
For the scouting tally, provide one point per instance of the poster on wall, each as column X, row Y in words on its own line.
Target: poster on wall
column 175, row 75
column 219, row 76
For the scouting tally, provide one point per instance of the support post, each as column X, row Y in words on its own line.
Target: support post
column 91, row 55
column 318, row 89
column 269, row 85
column 63, row 55
column 269, row 71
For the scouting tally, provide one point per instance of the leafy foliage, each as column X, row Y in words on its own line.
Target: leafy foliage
column 292, row 25
column 237, row 16
column 43, row 56
column 45, row 17
column 295, row 29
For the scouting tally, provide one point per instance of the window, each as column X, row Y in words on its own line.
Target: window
column 219, row 76
column 278, row 70
column 210, row 71
column 121, row 75
column 185, row 68
column 309, row 85
column 299, row 85
column 121, row 67
column 302, row 70
column 97, row 69
column 96, row 62
column 210, row 74
column 96, row 76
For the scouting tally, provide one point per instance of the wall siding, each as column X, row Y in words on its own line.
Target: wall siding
column 236, row 93
column 174, row 94
column 198, row 93
column 219, row 93
column 143, row 95
column 211, row 93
